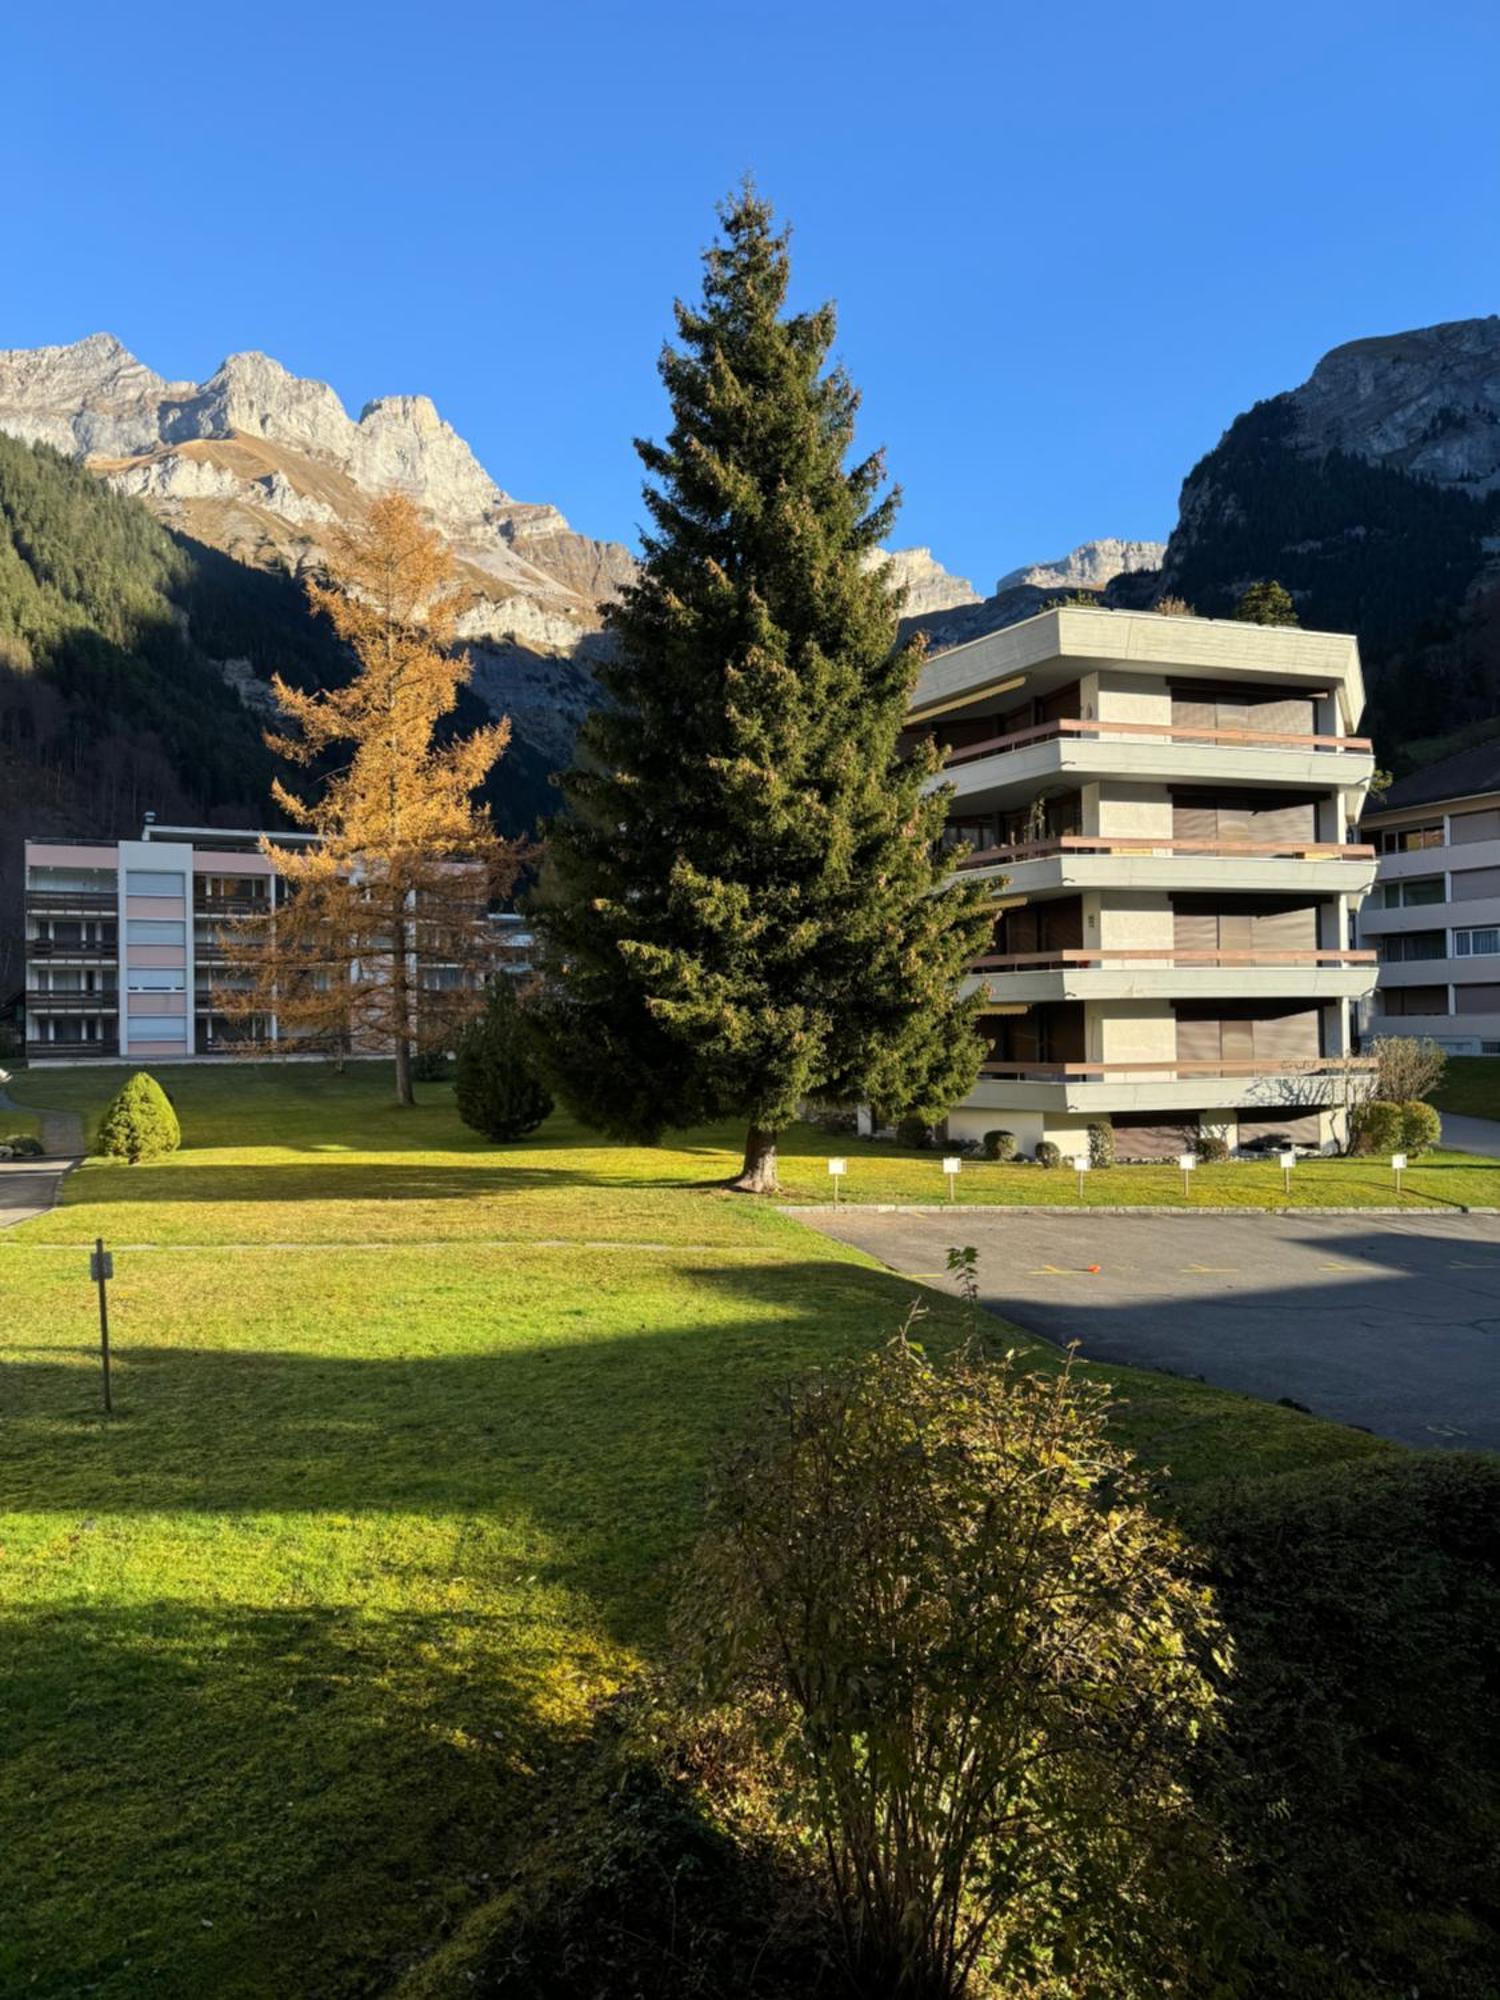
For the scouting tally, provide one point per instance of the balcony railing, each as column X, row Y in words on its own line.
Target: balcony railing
column 1151, row 844
column 46, row 948
column 1178, row 1070
column 38, row 1048
column 41, row 1000
column 47, row 901
column 1093, row 958
column 1157, row 732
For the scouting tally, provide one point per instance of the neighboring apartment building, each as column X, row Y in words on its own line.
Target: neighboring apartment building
column 123, row 943
column 1164, row 807
column 1434, row 916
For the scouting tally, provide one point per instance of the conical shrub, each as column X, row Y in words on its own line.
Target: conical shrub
column 140, row 1124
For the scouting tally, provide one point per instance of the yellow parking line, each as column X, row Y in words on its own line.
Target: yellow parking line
column 1212, row 1270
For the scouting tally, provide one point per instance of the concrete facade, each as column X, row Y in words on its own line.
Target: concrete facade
column 1434, row 916
column 123, row 944
column 1162, row 807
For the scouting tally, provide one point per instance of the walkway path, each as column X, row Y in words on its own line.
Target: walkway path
column 29, row 1187
column 1472, row 1135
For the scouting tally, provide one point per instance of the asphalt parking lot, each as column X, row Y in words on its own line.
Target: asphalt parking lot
column 1393, row 1323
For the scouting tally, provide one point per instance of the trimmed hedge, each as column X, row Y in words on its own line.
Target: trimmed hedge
column 1421, row 1128
column 1048, row 1154
column 999, row 1145
column 1213, row 1149
column 1101, row 1143
column 140, row 1124
column 1376, row 1127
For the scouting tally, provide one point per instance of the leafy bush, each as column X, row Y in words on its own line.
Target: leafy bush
column 934, row 1603
column 1048, row 1154
column 140, row 1124
column 999, row 1145
column 1421, row 1129
column 496, row 1084
column 835, row 1119
column 432, row 1065
column 1212, row 1148
column 1407, row 1067
column 1361, row 1766
column 23, row 1146
column 1376, row 1127
column 915, row 1133
column 1101, row 1143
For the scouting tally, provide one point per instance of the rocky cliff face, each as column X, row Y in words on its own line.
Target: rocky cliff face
column 1091, row 566
column 260, row 463
column 928, row 586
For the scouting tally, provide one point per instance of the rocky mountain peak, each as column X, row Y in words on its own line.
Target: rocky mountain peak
column 1090, row 566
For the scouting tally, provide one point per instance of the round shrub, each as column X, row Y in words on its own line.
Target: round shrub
column 496, row 1085
column 1101, row 1143
column 1212, row 1149
column 432, row 1065
column 914, row 1132
column 140, row 1124
column 999, row 1145
column 1377, row 1127
column 1048, row 1154
column 1421, row 1128
column 23, row 1146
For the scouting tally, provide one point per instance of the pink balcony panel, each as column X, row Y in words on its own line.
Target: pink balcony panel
column 167, row 957
column 172, row 907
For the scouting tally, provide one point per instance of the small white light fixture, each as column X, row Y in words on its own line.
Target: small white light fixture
column 952, row 1163
column 838, row 1168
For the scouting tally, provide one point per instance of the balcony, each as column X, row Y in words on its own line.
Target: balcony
column 1088, row 861
column 41, row 1000
column 51, row 902
column 44, row 948
column 1161, row 972
column 1011, row 767
column 40, row 1051
column 1102, row 1087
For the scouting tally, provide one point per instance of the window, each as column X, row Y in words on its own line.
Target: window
column 167, row 981
column 1479, row 943
column 1421, row 890
column 1393, row 1000
column 1476, row 825
column 92, row 881
column 1413, row 946
column 157, row 930
column 153, row 882
column 158, row 1028
column 1409, row 839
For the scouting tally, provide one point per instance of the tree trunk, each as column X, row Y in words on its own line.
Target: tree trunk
column 758, row 1174
column 401, row 1009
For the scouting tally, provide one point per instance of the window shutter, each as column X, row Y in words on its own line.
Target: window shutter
column 1466, row 827
column 1469, row 884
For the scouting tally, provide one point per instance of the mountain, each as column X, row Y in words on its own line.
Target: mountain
column 1090, row 566
column 1372, row 492
column 259, row 463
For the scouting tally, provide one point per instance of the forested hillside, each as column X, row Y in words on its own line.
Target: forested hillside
column 113, row 694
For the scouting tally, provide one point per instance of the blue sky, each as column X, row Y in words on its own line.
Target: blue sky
column 1068, row 244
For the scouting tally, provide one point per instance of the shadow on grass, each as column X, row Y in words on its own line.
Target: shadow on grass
column 243, row 1801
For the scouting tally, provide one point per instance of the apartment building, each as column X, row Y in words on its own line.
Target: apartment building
column 1163, row 806
column 124, row 951
column 1433, row 918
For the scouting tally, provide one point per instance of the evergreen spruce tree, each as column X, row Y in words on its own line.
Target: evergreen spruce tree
column 747, row 903
column 1266, row 603
column 495, row 1083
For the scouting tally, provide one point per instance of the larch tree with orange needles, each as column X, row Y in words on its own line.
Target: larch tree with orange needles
column 379, row 940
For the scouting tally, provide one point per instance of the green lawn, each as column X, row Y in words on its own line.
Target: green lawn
column 297, row 1646
column 1471, row 1087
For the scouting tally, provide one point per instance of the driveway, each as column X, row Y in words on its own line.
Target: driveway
column 29, row 1187
column 1393, row 1323
column 1472, row 1135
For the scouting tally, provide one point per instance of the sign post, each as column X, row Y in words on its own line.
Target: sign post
column 1187, row 1162
column 1288, row 1161
column 837, row 1168
column 1081, row 1167
column 951, row 1165
column 1398, row 1168
column 101, row 1269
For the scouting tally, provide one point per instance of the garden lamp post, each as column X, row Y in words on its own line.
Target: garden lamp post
column 837, row 1169
column 1398, row 1168
column 951, row 1165
column 1187, row 1162
column 1288, row 1161
column 1081, row 1167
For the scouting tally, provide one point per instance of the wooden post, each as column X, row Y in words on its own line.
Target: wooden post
column 102, row 1268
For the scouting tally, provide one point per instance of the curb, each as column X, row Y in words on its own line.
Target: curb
column 957, row 1208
